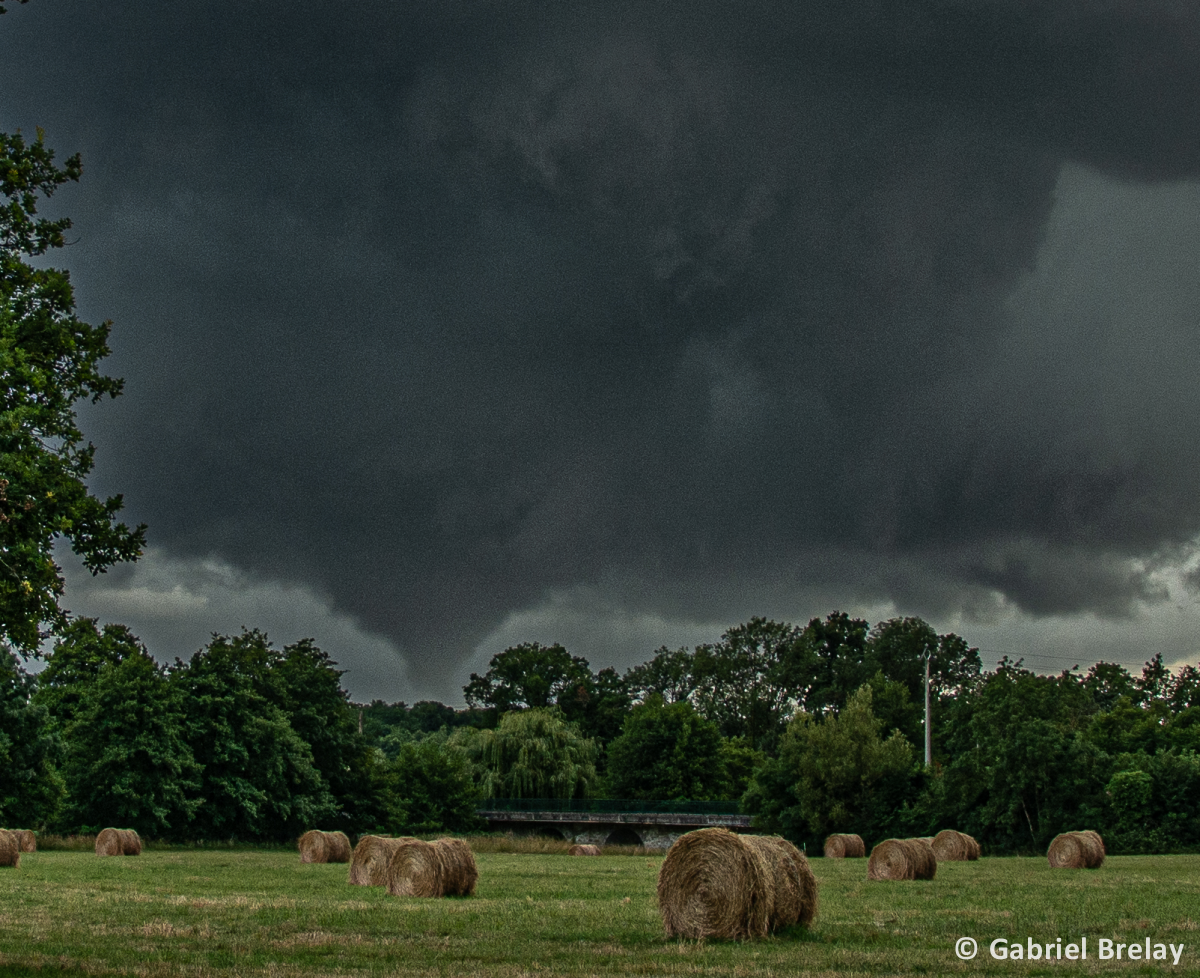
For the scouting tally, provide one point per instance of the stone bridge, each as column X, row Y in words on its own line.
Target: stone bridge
column 654, row 830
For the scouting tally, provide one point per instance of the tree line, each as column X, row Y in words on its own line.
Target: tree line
column 810, row 729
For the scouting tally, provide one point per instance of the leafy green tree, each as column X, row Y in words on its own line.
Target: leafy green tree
column 1126, row 729
column 535, row 754
column 301, row 680
column 31, row 790
column 834, row 774
column 532, row 676
column 49, row 361
column 127, row 761
column 430, row 788
column 1020, row 767
column 741, row 682
column 667, row 751
column 669, row 674
column 81, row 650
column 603, row 712
column 1108, row 682
column 827, row 663
column 259, row 780
column 898, row 648
column 891, row 703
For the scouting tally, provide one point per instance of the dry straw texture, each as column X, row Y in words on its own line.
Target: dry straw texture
column 712, row 884
column 459, row 873
column 26, row 839
column 795, row 886
column 110, row 843
column 583, row 850
column 1076, row 850
column 717, row 884
column 902, row 859
column 324, row 847
column 131, row 842
column 951, row 846
column 845, row 846
column 10, row 849
column 432, row 869
column 369, row 863
column 414, row 870
column 924, row 861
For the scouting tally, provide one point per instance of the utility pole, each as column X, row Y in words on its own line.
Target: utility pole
column 928, row 732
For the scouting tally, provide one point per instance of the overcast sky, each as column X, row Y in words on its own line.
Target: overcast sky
column 451, row 324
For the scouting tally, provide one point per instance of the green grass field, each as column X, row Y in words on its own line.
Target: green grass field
column 198, row 912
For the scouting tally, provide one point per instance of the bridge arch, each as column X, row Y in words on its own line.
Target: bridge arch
column 623, row 835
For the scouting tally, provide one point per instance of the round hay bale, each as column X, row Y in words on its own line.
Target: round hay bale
column 312, row 846
column 785, row 881
column 1093, row 847
column 337, row 847
column 131, row 842
column 110, row 843
column 892, row 859
column 842, row 845
column 924, row 861
column 972, row 847
column 950, row 846
column 459, row 872
column 795, row 898
column 713, row 883
column 324, row 847
column 415, row 869
column 10, row 849
column 808, row 884
column 583, row 850
column 369, row 862
column 26, row 839
column 1075, row 850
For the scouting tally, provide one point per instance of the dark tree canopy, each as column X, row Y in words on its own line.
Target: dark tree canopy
column 532, row 675
column 667, row 750
column 49, row 361
column 31, row 789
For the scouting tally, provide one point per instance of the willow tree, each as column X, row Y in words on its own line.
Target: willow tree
column 537, row 754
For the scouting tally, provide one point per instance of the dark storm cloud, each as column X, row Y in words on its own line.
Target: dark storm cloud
column 441, row 307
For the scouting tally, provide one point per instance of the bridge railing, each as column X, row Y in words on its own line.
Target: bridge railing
column 609, row 805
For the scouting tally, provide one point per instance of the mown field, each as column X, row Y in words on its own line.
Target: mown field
column 263, row 913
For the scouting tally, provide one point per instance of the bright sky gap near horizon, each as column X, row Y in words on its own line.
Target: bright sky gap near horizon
column 452, row 325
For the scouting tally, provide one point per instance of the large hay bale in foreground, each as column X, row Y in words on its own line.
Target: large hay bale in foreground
column 1095, row 837
column 415, row 869
column 950, row 846
column 131, row 842
column 26, row 839
column 10, row 849
column 794, row 885
column 110, row 842
column 713, row 883
column 369, row 861
column 324, row 847
column 459, row 872
column 583, row 850
column 902, row 859
column 845, row 846
column 445, row 867
column 1076, row 850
